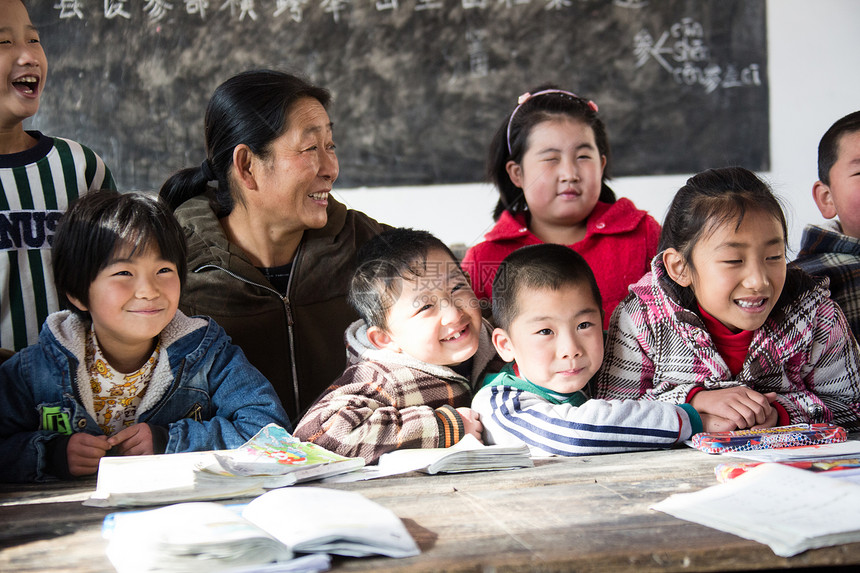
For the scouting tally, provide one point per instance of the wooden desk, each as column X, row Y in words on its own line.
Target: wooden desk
column 583, row 514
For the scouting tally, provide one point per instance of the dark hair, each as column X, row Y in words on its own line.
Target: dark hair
column 543, row 266
column 100, row 223
column 711, row 199
column 383, row 261
column 251, row 108
column 828, row 148
column 534, row 111
column 714, row 198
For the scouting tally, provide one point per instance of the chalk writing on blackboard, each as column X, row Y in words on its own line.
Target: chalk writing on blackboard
column 681, row 51
column 419, row 86
column 156, row 10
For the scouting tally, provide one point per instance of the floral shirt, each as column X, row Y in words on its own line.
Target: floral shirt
column 116, row 396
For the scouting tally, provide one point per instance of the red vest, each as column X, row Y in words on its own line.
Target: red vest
column 620, row 241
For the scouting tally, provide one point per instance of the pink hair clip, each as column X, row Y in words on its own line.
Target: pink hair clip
column 527, row 96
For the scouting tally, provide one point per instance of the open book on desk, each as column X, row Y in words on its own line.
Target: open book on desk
column 127, row 481
column 206, row 536
column 789, row 509
column 271, row 459
column 467, row 455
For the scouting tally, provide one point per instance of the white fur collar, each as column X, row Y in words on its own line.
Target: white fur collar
column 71, row 332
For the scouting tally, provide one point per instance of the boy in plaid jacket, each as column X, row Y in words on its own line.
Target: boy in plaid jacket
column 412, row 360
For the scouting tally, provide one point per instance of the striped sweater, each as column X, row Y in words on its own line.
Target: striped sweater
column 386, row 401
column 37, row 186
column 658, row 349
column 514, row 410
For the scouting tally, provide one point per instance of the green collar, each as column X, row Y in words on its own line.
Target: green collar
column 507, row 378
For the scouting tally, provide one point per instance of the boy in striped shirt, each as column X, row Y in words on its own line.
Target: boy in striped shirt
column 548, row 314
column 39, row 177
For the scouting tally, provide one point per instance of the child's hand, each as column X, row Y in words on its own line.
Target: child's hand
column 83, row 453
column 472, row 422
column 739, row 405
column 135, row 440
column 773, row 417
column 714, row 423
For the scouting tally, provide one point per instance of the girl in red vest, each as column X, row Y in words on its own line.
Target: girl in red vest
column 550, row 160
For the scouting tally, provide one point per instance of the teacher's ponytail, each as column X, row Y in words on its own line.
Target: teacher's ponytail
column 193, row 181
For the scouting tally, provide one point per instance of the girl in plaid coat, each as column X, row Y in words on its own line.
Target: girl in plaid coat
column 722, row 323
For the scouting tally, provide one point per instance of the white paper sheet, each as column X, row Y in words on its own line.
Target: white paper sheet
column 789, row 509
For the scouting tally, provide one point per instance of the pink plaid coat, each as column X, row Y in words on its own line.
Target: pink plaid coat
column 659, row 350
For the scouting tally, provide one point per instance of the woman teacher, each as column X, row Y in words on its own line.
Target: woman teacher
column 270, row 252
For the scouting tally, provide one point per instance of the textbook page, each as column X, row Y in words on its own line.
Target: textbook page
column 321, row 520
column 200, row 536
column 125, row 481
column 467, row 455
column 789, row 509
column 271, row 459
column 262, row 535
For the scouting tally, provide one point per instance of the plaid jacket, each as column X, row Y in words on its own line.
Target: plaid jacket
column 826, row 252
column 387, row 401
column 659, row 350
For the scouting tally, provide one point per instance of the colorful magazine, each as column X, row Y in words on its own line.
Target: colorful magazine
column 830, row 466
column 273, row 453
column 779, row 437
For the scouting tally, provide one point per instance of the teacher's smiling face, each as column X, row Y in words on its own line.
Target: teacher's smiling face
column 294, row 180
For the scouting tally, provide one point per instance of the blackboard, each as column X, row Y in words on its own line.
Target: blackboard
column 419, row 86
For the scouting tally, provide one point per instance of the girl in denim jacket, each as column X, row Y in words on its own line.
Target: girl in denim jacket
column 123, row 372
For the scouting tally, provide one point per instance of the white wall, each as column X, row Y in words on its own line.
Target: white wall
column 814, row 73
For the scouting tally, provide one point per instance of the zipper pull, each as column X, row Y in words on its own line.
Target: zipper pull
column 195, row 413
column 289, row 311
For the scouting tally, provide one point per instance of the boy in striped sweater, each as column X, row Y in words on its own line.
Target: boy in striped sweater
column 39, row 177
column 548, row 313
column 412, row 359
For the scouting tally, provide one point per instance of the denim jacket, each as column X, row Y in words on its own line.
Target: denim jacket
column 203, row 391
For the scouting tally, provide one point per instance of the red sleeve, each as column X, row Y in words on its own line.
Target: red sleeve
column 693, row 392
column 783, row 414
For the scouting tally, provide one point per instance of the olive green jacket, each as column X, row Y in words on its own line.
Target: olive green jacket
column 295, row 341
